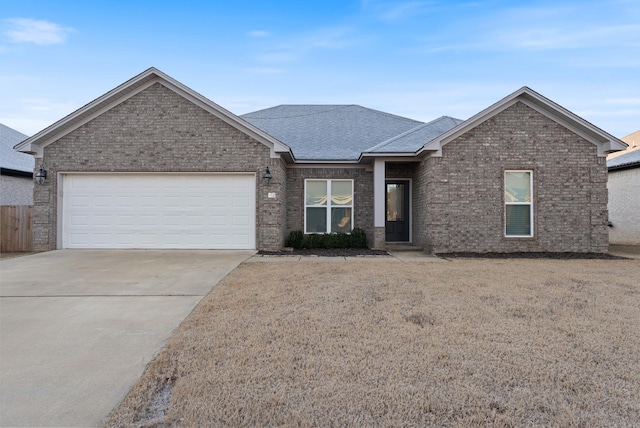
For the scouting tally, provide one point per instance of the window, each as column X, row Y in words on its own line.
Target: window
column 518, row 199
column 328, row 206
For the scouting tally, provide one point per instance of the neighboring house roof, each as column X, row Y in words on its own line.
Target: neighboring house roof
column 137, row 84
column 604, row 141
column 9, row 158
column 633, row 140
column 330, row 132
column 624, row 161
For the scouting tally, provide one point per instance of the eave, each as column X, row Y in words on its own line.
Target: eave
column 605, row 142
column 35, row 145
column 368, row 157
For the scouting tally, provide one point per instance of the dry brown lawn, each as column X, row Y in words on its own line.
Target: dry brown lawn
column 388, row 343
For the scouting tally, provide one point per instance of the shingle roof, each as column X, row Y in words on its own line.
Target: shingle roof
column 627, row 160
column 417, row 137
column 330, row 132
column 9, row 158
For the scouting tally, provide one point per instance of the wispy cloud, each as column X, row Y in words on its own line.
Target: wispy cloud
column 26, row 30
column 258, row 33
column 266, row 70
column 558, row 37
column 30, row 115
column 562, row 26
column 333, row 38
column 631, row 101
column 299, row 45
column 394, row 11
column 542, row 38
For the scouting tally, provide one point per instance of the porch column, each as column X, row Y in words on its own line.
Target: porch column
column 379, row 191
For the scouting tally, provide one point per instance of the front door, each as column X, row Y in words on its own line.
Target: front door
column 397, row 211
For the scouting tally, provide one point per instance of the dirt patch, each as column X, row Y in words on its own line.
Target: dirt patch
column 380, row 342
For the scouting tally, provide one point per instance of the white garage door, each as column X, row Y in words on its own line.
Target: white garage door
column 190, row 211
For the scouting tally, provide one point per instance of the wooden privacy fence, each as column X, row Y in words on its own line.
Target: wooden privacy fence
column 15, row 228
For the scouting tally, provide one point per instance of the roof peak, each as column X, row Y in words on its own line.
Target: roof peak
column 318, row 109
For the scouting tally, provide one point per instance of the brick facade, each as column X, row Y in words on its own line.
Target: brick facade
column 362, row 195
column 157, row 130
column 465, row 187
column 457, row 199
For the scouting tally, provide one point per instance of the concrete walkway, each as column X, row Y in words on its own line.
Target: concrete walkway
column 78, row 327
column 398, row 256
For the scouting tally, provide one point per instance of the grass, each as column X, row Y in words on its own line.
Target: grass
column 385, row 343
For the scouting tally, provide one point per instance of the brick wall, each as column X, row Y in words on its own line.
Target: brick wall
column 464, row 188
column 363, row 195
column 159, row 131
column 271, row 233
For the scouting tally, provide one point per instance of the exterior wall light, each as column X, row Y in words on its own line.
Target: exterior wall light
column 41, row 176
column 266, row 178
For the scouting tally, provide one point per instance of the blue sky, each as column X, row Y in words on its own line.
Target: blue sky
column 420, row 59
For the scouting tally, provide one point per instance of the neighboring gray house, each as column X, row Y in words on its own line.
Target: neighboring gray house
column 154, row 164
column 16, row 170
column 624, row 193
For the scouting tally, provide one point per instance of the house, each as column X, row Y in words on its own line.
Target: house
column 624, row 193
column 154, row 164
column 16, row 170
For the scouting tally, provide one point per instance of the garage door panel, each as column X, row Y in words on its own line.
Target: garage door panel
column 158, row 211
column 79, row 220
column 102, row 201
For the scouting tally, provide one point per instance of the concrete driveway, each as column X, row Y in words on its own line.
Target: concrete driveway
column 78, row 327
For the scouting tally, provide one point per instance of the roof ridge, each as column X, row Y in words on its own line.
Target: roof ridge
column 389, row 114
column 396, row 137
column 335, row 107
column 410, row 131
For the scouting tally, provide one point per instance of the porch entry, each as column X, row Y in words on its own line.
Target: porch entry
column 398, row 220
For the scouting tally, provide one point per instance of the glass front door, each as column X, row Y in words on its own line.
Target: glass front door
column 397, row 211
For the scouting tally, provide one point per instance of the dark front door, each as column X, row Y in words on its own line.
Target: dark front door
column 397, row 208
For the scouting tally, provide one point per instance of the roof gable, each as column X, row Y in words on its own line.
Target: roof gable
column 604, row 141
column 137, row 84
column 329, row 132
column 411, row 141
column 9, row 158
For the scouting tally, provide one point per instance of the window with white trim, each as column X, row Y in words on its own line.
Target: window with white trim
column 518, row 200
column 328, row 206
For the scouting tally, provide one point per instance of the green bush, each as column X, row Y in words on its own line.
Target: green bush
column 341, row 240
column 357, row 239
column 295, row 239
column 315, row 241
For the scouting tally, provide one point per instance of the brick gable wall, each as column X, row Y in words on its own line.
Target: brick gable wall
column 464, row 187
column 159, row 131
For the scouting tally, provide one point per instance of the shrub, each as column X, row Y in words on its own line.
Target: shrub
column 295, row 239
column 315, row 241
column 358, row 238
column 341, row 240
